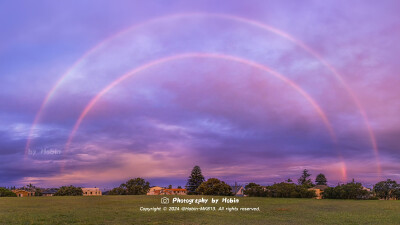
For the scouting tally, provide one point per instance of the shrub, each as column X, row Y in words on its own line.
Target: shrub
column 69, row 191
column 4, row 192
column 289, row 190
column 347, row 191
column 255, row 190
column 137, row 186
column 213, row 186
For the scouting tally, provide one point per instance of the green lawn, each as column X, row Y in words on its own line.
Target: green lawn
column 126, row 210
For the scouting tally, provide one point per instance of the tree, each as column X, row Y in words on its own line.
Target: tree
column 4, row 192
column 304, row 179
column 214, row 186
column 352, row 190
column 117, row 191
column 170, row 186
column 69, row 191
column 255, row 190
column 387, row 189
column 179, row 187
column 38, row 191
column 137, row 186
column 289, row 190
column 320, row 179
column 289, row 180
column 195, row 180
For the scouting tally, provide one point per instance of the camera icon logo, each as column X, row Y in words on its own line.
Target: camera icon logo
column 164, row 200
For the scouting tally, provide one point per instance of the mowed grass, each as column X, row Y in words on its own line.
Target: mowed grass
column 126, row 210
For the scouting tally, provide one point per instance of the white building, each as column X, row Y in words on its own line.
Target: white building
column 91, row 191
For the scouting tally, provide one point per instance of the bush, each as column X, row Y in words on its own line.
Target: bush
column 388, row 189
column 289, row 190
column 69, row 191
column 279, row 190
column 137, row 186
column 4, row 192
column 213, row 186
column 117, row 191
column 255, row 190
column 347, row 191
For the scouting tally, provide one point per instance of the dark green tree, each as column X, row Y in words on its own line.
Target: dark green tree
column 255, row 190
column 214, row 186
column 195, row 180
column 69, row 191
column 117, row 191
column 304, row 179
column 4, row 192
column 387, row 189
column 137, row 186
column 38, row 192
column 352, row 190
column 170, row 186
column 179, row 187
column 289, row 190
column 321, row 179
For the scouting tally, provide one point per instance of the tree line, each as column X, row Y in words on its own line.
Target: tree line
column 388, row 189
column 197, row 185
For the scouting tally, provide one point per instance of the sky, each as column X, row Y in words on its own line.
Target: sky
column 93, row 93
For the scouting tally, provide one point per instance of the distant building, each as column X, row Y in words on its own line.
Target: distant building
column 154, row 190
column 237, row 190
column 166, row 191
column 49, row 192
column 91, row 191
column 23, row 193
column 367, row 189
column 174, row 191
column 371, row 193
column 319, row 189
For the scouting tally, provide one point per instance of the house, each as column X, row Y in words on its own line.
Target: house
column 319, row 189
column 49, row 192
column 370, row 193
column 154, row 190
column 173, row 191
column 23, row 193
column 91, row 191
column 166, row 191
column 367, row 189
column 238, row 190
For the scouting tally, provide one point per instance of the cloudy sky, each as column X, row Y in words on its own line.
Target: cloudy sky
column 93, row 93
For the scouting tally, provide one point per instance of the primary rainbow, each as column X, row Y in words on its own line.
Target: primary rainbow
column 141, row 68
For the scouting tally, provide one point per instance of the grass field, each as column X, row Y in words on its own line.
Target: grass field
column 126, row 210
